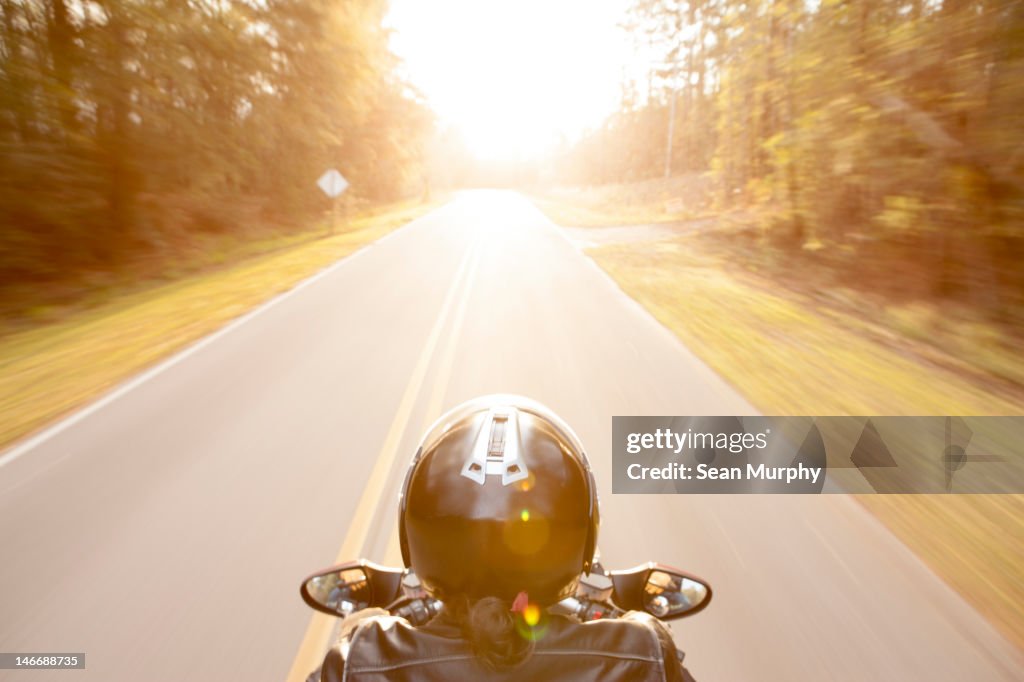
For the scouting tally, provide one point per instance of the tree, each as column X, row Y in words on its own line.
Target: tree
column 885, row 130
column 128, row 126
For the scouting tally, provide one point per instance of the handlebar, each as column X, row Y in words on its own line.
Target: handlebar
column 419, row 610
column 662, row 591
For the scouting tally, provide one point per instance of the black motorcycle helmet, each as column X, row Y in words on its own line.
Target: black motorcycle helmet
column 499, row 499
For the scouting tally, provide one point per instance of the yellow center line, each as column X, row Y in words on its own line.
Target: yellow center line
column 321, row 626
column 393, row 554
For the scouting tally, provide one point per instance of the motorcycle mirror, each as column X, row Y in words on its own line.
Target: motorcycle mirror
column 662, row 591
column 345, row 588
column 670, row 595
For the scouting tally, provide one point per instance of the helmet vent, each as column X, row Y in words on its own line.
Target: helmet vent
column 497, row 448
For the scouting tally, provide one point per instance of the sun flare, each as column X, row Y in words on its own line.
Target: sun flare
column 514, row 79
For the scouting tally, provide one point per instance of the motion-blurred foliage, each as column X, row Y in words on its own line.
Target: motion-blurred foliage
column 886, row 134
column 130, row 127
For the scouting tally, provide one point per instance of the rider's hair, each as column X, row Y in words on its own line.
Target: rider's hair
column 489, row 625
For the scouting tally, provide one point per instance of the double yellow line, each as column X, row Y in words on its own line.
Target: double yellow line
column 321, row 627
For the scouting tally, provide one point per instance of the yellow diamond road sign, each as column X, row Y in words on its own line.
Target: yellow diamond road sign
column 332, row 183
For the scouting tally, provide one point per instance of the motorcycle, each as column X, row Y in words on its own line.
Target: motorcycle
column 662, row 591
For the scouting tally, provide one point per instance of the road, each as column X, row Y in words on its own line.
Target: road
column 163, row 532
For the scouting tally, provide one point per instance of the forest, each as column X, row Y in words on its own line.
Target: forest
column 130, row 128
column 880, row 140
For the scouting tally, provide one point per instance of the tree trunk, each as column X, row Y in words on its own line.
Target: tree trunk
column 60, row 39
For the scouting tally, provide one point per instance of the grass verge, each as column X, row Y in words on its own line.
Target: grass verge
column 60, row 364
column 792, row 353
column 973, row 542
column 786, row 356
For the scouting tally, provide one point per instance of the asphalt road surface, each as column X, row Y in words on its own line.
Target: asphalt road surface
column 164, row 531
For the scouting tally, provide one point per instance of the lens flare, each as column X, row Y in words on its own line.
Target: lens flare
column 525, row 515
column 527, row 483
column 532, row 623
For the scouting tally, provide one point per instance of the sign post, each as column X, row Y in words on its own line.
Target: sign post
column 333, row 183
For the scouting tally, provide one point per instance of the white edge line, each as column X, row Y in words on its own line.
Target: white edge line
column 638, row 307
column 15, row 452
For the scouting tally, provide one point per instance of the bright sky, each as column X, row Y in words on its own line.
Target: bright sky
column 514, row 75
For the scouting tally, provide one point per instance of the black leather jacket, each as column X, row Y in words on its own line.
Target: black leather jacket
column 636, row 647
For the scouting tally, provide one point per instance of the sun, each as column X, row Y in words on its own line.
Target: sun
column 515, row 79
